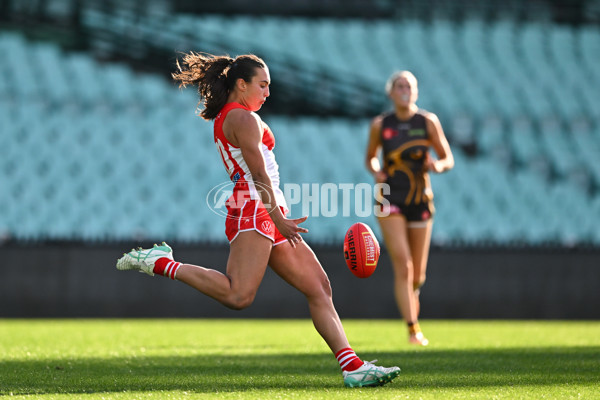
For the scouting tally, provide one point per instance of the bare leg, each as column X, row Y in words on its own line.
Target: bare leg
column 301, row 269
column 419, row 240
column 395, row 235
column 248, row 257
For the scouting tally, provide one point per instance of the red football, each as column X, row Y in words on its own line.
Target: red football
column 361, row 250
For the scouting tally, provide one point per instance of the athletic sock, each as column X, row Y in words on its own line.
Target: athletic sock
column 413, row 328
column 166, row 267
column 348, row 359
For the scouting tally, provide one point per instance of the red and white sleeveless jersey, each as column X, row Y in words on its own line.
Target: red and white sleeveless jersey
column 236, row 166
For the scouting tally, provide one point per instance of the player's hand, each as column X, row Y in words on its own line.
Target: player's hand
column 432, row 165
column 380, row 176
column 290, row 230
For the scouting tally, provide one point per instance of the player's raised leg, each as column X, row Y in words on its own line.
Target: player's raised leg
column 235, row 289
column 143, row 260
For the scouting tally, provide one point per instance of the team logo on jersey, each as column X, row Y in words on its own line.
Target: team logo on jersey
column 417, row 154
column 416, row 132
column 404, row 127
column 389, row 133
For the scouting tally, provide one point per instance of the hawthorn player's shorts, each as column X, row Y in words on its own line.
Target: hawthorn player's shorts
column 252, row 216
column 416, row 214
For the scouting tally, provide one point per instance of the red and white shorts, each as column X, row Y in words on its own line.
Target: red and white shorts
column 252, row 216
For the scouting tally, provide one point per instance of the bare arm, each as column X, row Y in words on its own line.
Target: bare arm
column 373, row 148
column 440, row 145
column 244, row 129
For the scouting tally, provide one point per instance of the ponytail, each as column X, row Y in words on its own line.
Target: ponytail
column 215, row 77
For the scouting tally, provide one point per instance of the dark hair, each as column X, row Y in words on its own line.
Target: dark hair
column 215, row 77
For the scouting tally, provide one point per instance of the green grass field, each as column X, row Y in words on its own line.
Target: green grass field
column 273, row 359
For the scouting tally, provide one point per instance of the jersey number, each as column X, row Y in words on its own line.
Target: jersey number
column 226, row 160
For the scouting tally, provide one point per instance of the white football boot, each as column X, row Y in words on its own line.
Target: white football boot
column 143, row 259
column 370, row 374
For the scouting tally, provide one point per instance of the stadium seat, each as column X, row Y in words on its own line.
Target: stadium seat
column 537, row 140
column 81, row 68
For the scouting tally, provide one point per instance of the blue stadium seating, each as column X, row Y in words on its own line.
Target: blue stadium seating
column 86, row 143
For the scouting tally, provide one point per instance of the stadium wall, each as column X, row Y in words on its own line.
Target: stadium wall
column 70, row 280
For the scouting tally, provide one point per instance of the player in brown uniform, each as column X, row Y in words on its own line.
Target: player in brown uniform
column 405, row 136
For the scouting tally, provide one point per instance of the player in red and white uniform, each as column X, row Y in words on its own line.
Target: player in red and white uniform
column 245, row 209
column 257, row 228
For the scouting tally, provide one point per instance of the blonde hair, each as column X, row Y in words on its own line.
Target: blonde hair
column 395, row 76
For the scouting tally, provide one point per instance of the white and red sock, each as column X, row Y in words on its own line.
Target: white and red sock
column 166, row 267
column 348, row 359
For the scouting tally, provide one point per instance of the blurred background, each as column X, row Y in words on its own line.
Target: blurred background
column 101, row 151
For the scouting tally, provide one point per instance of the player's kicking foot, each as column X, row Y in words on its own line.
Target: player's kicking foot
column 418, row 339
column 143, row 259
column 370, row 374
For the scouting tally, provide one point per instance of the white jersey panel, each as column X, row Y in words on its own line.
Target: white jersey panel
column 272, row 170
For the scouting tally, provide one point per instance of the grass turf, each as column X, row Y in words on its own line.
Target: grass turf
column 271, row 359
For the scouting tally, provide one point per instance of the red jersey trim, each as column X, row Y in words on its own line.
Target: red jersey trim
column 268, row 139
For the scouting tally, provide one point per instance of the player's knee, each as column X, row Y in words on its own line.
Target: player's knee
column 240, row 302
column 322, row 289
column 326, row 286
column 399, row 258
column 403, row 270
column 418, row 283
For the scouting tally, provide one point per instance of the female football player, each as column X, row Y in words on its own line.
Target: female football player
column 232, row 91
column 405, row 136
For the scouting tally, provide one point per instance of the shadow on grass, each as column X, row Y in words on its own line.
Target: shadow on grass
column 423, row 369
